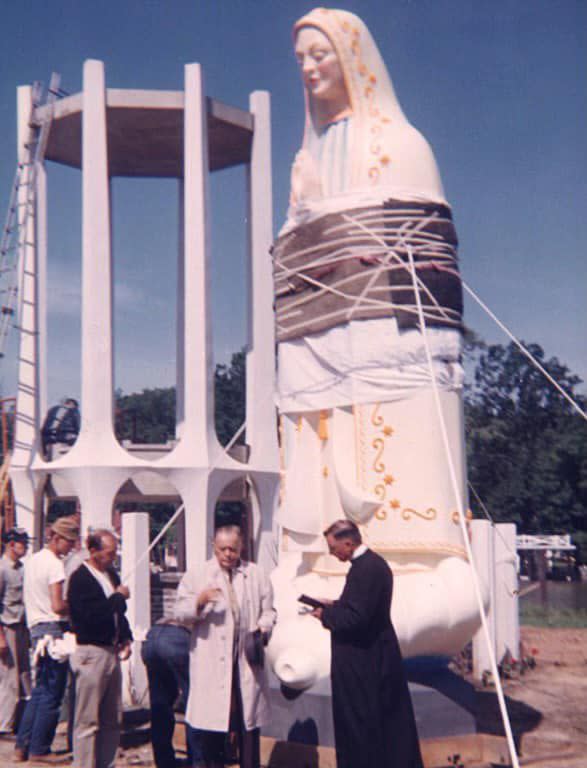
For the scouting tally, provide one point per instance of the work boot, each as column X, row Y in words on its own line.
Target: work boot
column 20, row 755
column 50, row 759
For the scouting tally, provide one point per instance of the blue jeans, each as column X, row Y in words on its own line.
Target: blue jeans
column 41, row 714
column 165, row 653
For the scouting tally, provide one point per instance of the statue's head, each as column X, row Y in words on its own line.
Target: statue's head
column 377, row 149
column 344, row 75
column 322, row 73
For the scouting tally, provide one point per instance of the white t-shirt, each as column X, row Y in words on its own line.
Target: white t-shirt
column 40, row 571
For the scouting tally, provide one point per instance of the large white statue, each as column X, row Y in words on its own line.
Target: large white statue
column 360, row 433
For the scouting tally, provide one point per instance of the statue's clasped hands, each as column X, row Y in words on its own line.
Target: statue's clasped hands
column 305, row 181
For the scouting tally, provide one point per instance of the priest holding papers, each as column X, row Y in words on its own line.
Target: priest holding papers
column 374, row 722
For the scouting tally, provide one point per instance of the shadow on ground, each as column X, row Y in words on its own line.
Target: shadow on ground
column 481, row 703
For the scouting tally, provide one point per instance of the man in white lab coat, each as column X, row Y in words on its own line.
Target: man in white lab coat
column 227, row 599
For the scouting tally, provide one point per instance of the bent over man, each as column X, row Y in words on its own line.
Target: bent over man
column 97, row 603
column 165, row 654
column 226, row 599
column 374, row 722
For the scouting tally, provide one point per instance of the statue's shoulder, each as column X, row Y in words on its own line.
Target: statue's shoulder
column 412, row 165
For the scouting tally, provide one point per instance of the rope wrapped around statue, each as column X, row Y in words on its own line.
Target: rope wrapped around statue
column 352, row 265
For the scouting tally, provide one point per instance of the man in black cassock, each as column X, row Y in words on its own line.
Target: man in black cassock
column 374, row 724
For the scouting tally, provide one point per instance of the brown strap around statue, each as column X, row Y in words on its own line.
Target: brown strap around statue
column 353, row 265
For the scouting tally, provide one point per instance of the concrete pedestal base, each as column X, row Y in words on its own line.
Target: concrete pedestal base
column 443, row 704
column 305, row 719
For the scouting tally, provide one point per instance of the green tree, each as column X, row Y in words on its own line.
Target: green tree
column 526, row 446
column 150, row 416
column 230, row 402
column 146, row 417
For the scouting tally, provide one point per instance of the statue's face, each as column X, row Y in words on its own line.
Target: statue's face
column 321, row 70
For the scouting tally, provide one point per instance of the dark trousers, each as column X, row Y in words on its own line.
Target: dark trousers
column 212, row 744
column 165, row 653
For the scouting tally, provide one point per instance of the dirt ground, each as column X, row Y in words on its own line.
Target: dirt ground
column 547, row 706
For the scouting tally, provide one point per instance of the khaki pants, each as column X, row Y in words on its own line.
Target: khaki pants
column 98, row 706
column 15, row 675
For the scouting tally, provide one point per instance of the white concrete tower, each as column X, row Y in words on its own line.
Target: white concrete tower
column 113, row 132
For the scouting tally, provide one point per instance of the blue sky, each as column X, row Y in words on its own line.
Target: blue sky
column 498, row 89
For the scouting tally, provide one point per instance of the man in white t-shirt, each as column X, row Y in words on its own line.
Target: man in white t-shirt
column 46, row 613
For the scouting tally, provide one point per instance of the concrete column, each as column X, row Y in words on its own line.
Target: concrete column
column 483, row 546
column 96, row 488
column 96, row 434
column 95, row 464
column 261, row 415
column 25, row 502
column 263, row 496
column 507, row 619
column 198, row 380
column 180, row 317
column 193, row 487
column 41, row 196
column 135, row 541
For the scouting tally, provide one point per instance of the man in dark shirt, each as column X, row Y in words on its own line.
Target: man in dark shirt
column 374, row 722
column 97, row 604
column 61, row 425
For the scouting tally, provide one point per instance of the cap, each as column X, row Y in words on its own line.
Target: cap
column 66, row 527
column 15, row 534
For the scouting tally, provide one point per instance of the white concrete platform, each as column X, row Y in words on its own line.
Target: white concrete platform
column 145, row 133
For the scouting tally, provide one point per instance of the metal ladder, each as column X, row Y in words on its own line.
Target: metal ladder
column 21, row 212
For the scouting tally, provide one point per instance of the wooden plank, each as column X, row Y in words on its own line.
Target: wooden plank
column 470, row 751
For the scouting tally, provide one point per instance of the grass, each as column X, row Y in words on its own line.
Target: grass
column 539, row 616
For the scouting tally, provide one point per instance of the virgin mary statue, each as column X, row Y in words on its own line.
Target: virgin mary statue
column 367, row 226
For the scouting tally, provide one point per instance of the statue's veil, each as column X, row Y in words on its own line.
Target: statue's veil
column 386, row 151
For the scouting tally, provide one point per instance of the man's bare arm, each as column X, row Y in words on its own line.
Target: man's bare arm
column 58, row 602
